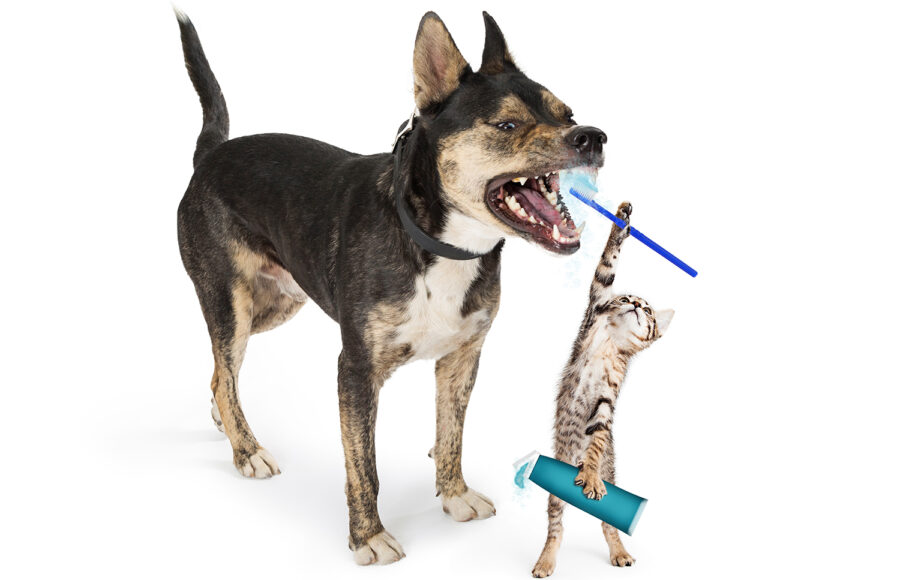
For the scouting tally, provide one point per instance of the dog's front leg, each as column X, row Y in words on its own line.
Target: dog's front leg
column 358, row 400
column 455, row 374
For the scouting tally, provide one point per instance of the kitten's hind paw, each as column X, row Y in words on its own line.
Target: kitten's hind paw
column 621, row 558
column 543, row 568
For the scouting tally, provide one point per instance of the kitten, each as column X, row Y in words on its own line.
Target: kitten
column 614, row 329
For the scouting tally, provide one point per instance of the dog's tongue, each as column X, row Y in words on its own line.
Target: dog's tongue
column 547, row 212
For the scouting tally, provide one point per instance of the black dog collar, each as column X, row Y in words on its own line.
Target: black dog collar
column 427, row 242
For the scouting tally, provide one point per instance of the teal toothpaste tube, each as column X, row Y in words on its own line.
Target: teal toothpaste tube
column 619, row 508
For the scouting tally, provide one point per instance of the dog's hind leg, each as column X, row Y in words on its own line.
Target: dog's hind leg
column 224, row 276
column 230, row 328
column 455, row 374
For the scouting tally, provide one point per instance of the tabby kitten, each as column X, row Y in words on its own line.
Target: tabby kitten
column 613, row 330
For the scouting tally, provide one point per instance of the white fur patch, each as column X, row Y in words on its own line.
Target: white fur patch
column 434, row 325
column 180, row 15
column 470, row 234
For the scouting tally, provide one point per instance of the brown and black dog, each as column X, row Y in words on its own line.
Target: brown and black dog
column 270, row 221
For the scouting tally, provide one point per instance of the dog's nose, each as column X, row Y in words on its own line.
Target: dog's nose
column 586, row 139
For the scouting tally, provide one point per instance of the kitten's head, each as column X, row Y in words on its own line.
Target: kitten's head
column 634, row 324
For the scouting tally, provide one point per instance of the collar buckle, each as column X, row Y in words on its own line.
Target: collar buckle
column 405, row 129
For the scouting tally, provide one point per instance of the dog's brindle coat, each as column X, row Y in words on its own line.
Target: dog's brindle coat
column 270, row 221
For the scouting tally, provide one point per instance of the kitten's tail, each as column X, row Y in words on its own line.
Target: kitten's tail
column 215, row 113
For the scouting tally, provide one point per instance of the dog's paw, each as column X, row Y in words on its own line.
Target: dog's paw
column 381, row 548
column 621, row 558
column 216, row 417
column 259, row 464
column 469, row 505
column 589, row 479
column 545, row 566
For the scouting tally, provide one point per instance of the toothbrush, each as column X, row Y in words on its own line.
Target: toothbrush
column 586, row 184
column 619, row 508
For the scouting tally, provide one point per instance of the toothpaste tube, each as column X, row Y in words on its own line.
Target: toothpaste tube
column 619, row 508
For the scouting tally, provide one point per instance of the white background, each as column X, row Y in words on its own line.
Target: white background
column 758, row 141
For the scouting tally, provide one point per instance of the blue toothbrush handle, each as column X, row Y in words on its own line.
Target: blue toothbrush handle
column 637, row 234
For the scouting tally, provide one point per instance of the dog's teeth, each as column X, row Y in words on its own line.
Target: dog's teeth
column 522, row 213
column 555, row 233
column 580, row 228
column 520, row 180
column 531, row 219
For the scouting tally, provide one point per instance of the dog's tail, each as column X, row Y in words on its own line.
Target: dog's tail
column 215, row 113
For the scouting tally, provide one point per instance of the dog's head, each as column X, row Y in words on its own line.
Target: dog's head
column 499, row 138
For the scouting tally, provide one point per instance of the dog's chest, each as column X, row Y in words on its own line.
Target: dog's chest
column 433, row 324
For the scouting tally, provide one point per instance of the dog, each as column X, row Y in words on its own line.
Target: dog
column 401, row 249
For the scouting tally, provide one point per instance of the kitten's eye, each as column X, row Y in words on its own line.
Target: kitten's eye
column 506, row 126
column 623, row 299
column 647, row 309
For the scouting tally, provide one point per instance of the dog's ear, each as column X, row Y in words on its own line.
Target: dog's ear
column 495, row 58
column 437, row 63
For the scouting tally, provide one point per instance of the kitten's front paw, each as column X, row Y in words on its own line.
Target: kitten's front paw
column 624, row 214
column 589, row 479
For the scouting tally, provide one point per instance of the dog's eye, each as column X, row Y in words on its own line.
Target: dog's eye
column 506, row 126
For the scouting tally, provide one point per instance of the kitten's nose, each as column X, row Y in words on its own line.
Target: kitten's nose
column 636, row 304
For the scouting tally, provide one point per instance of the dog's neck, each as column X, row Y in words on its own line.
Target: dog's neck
column 458, row 229
column 468, row 233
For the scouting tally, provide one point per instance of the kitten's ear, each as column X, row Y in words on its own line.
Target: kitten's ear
column 663, row 318
column 437, row 63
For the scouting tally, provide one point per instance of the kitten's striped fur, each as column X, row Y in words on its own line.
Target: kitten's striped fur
column 614, row 328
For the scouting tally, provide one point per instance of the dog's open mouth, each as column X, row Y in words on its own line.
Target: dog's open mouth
column 534, row 207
